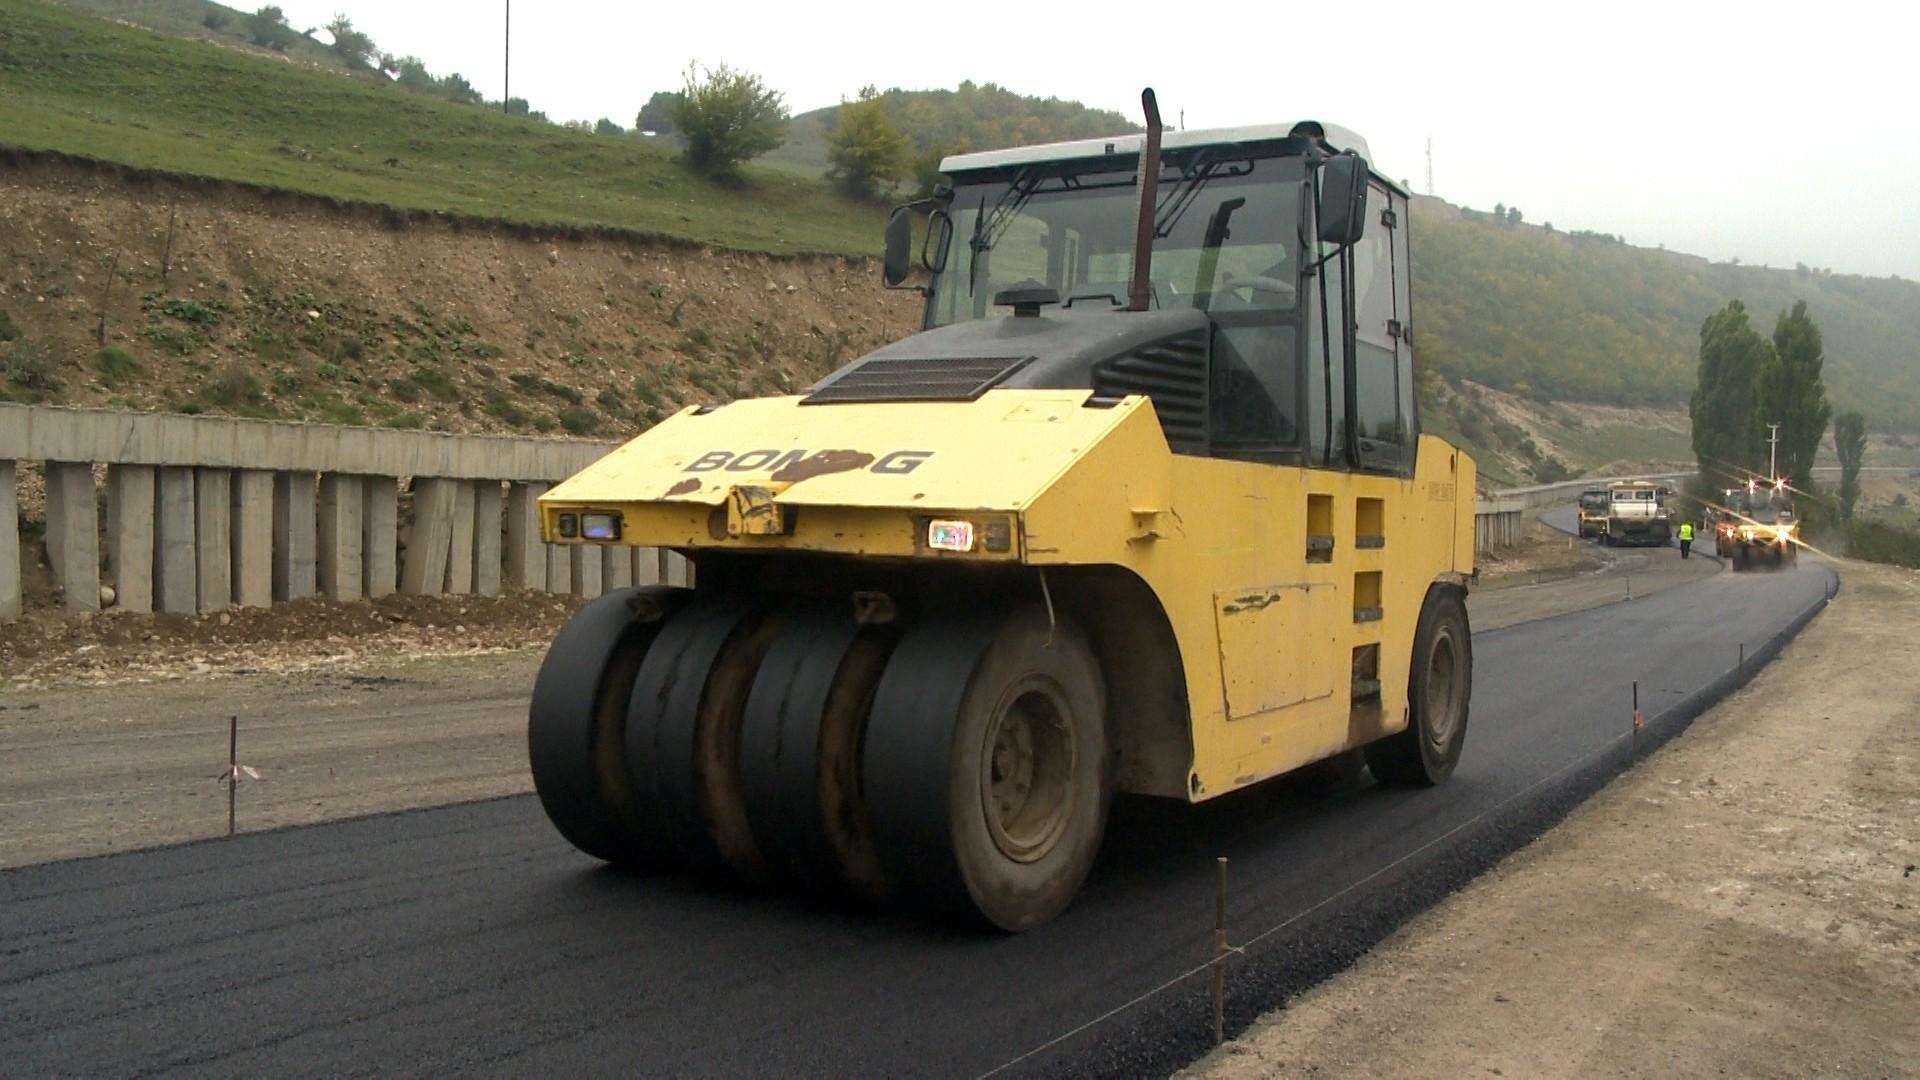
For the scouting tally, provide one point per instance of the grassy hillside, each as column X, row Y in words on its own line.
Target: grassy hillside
column 972, row 117
column 85, row 86
column 1554, row 316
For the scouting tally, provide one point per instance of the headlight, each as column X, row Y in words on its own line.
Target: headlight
column 600, row 526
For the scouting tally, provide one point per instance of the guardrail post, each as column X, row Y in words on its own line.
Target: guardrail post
column 460, row 540
column 130, row 502
column 425, row 569
column 9, row 544
column 342, row 504
column 486, row 538
column 176, row 585
column 380, row 535
column 252, row 538
column 213, row 536
column 526, row 555
column 295, row 536
column 73, row 533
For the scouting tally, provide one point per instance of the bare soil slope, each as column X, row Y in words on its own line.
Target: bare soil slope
column 225, row 299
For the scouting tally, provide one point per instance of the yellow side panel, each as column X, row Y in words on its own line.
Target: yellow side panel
column 1273, row 645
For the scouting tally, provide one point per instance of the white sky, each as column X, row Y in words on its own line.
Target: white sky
column 1772, row 132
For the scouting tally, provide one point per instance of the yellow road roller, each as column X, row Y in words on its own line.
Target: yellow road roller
column 1143, row 508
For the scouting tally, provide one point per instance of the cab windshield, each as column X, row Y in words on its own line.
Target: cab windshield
column 1227, row 237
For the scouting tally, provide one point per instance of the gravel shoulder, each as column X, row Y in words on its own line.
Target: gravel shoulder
column 1745, row 902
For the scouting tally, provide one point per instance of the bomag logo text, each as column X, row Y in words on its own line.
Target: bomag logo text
column 808, row 462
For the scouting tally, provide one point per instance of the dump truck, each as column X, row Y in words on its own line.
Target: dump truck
column 1593, row 506
column 1144, row 508
column 1758, row 527
column 1637, row 514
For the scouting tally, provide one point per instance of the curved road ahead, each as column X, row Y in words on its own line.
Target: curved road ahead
column 471, row 938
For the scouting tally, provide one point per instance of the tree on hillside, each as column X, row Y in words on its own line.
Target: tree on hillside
column 866, row 155
column 1513, row 215
column 1850, row 442
column 1499, row 213
column 657, row 114
column 268, row 28
column 728, row 117
column 1792, row 393
column 1732, row 357
column 607, row 127
column 456, row 87
column 350, row 45
column 411, row 72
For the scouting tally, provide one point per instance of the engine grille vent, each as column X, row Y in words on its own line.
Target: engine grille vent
column 916, row 379
column 1174, row 374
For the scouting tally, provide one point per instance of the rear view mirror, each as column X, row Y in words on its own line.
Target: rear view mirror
column 895, row 266
column 939, row 238
column 1343, row 199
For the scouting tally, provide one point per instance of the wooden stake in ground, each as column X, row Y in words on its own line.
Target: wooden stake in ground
column 235, row 770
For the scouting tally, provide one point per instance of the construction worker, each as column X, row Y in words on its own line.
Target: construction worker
column 1686, row 538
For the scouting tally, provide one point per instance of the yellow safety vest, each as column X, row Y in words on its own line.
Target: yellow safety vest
column 1686, row 530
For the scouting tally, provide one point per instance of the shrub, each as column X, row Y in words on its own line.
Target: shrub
column 115, row 365
column 436, row 382
column 728, row 117
column 579, row 420
column 236, row 387
column 8, row 331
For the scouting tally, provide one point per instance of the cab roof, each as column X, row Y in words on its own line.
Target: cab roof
column 1334, row 136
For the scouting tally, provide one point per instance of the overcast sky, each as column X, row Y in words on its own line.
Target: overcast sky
column 1775, row 133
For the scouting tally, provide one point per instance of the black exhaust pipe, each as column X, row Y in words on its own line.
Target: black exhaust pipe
column 1140, row 289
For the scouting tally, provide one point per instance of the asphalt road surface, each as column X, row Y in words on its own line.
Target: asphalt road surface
column 471, row 938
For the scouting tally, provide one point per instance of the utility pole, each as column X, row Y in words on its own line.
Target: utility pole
column 1773, row 450
column 506, row 64
column 1429, row 166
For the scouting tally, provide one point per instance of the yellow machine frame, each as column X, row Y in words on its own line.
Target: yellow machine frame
column 1279, row 602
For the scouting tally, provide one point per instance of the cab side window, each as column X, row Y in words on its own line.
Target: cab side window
column 1383, row 377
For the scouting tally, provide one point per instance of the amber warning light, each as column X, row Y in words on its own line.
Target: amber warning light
column 950, row 535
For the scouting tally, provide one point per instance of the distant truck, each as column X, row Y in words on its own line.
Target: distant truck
column 1593, row 513
column 1637, row 513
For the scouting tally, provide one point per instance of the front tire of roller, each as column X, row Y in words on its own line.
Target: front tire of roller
column 577, row 718
column 987, row 766
column 1438, row 692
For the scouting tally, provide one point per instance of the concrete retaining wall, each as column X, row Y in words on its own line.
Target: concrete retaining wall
column 203, row 513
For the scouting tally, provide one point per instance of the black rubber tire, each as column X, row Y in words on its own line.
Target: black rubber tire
column 1427, row 750
column 800, row 745
column 683, row 732
column 934, row 782
column 577, row 719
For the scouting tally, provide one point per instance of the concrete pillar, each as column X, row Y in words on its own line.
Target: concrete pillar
column 678, row 570
column 176, row 588
column 380, row 536
column 586, row 570
column 130, row 500
column 526, row 555
column 73, row 533
column 213, row 537
column 646, row 566
column 9, row 544
column 460, row 540
column 486, row 538
column 425, row 571
column 616, row 570
column 342, row 502
column 295, row 536
column 559, row 569
column 252, row 542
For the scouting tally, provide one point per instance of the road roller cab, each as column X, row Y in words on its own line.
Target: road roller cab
column 1144, row 508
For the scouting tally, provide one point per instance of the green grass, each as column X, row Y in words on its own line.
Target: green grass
column 83, row 86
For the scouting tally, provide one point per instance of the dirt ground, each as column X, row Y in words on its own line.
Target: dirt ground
column 1746, row 902
column 1550, row 573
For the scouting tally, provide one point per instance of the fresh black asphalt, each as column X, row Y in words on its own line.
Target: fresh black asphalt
column 472, row 939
